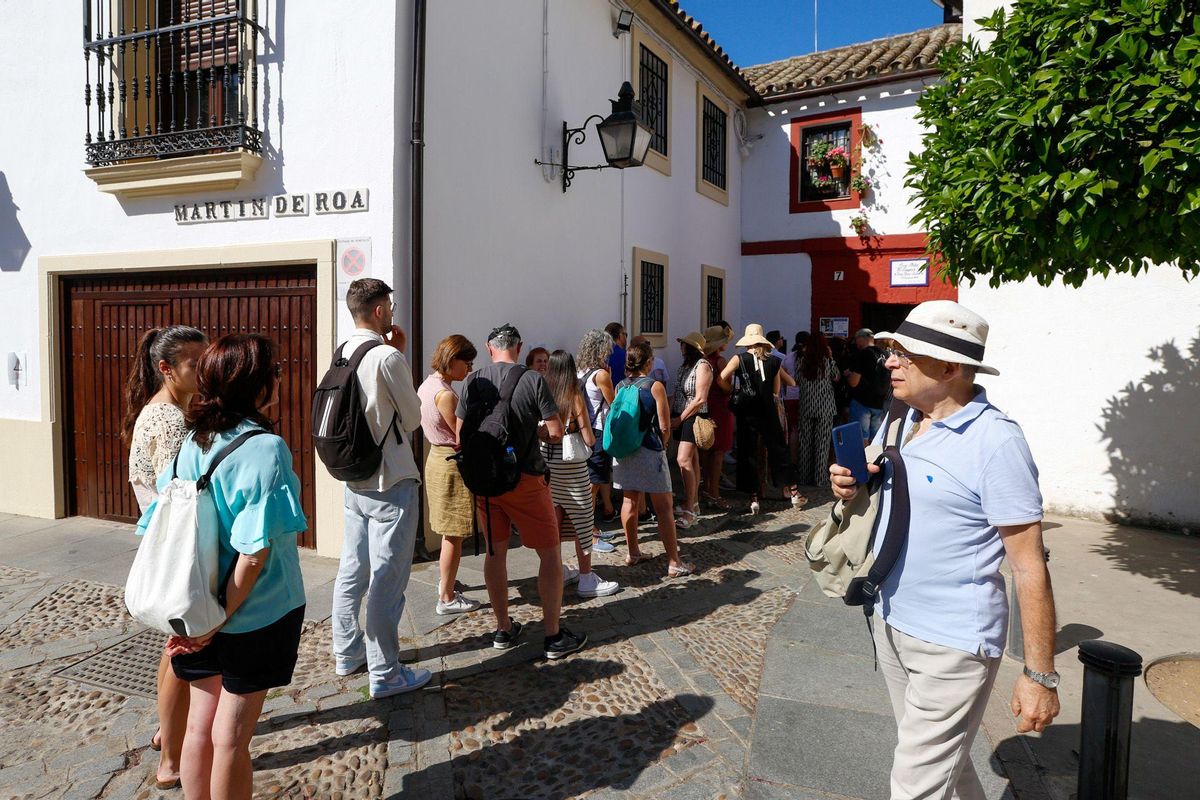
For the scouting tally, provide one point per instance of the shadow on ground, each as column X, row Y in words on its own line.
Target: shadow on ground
column 1156, row 770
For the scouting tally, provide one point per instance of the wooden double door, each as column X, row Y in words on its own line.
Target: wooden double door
column 105, row 316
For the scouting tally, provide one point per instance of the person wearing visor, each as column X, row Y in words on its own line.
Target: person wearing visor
column 943, row 611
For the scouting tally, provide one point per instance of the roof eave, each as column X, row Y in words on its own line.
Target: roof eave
column 669, row 11
column 763, row 100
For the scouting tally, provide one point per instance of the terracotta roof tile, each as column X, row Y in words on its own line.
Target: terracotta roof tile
column 894, row 55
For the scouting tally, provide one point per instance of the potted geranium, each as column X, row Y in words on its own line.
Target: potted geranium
column 838, row 158
column 860, row 183
column 824, row 183
column 860, row 223
column 818, row 152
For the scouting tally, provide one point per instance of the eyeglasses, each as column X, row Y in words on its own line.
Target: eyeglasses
column 903, row 356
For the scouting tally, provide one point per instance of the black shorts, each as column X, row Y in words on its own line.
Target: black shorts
column 600, row 463
column 686, row 432
column 247, row 662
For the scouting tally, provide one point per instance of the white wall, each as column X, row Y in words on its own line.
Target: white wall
column 890, row 110
column 777, row 292
column 502, row 243
column 1104, row 380
column 329, row 93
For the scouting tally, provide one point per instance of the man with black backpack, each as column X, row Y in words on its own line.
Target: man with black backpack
column 362, row 411
column 498, row 430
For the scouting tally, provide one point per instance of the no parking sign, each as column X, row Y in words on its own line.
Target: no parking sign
column 353, row 258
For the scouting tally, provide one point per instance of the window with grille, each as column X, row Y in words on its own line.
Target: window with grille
column 714, row 299
column 652, row 299
column 713, row 144
column 652, row 94
column 820, row 177
column 170, row 78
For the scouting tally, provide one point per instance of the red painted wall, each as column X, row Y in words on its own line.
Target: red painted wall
column 866, row 268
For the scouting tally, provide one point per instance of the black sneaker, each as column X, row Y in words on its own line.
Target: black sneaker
column 564, row 644
column 503, row 640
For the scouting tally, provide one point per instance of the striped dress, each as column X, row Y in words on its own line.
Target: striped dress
column 571, row 488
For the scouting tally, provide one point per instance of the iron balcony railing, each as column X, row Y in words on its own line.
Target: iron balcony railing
column 169, row 78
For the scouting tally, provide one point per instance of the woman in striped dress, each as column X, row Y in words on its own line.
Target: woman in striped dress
column 816, row 374
column 570, row 484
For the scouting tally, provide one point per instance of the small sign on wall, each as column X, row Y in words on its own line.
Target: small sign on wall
column 17, row 373
column 834, row 326
column 330, row 201
column 910, row 272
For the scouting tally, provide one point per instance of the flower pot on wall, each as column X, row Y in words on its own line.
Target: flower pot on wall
column 837, row 171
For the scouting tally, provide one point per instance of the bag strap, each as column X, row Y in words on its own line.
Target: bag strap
column 226, row 451
column 587, row 402
column 359, row 353
column 509, row 388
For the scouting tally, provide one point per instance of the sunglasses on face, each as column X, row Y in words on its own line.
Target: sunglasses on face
column 903, row 356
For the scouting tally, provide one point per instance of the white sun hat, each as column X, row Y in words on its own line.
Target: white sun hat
column 944, row 330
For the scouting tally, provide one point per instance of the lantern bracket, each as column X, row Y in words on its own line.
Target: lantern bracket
column 578, row 136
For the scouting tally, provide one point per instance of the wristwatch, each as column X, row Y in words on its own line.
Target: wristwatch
column 1047, row 679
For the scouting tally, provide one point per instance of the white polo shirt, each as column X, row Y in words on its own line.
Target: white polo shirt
column 967, row 475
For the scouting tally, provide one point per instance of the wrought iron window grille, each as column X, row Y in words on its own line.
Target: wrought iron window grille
column 817, row 180
column 715, row 123
column 653, row 299
column 652, row 79
column 166, row 78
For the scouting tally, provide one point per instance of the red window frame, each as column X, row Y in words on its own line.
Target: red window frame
column 796, row 134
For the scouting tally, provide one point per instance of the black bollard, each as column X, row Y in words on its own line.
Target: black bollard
column 1016, row 634
column 1109, row 670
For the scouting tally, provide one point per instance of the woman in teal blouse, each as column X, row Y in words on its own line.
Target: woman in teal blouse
column 257, row 498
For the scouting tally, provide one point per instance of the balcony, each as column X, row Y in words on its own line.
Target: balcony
column 171, row 95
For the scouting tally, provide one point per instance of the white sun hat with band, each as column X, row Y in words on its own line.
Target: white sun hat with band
column 944, row 330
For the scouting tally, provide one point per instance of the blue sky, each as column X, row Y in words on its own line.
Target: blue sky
column 757, row 31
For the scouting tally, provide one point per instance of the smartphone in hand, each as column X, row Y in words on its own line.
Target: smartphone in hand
column 849, row 451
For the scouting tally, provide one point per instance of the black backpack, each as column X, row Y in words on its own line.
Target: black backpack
column 341, row 435
column 486, row 461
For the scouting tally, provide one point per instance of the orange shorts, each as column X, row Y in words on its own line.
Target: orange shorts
column 529, row 507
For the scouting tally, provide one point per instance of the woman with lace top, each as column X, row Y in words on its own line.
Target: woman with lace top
column 159, row 389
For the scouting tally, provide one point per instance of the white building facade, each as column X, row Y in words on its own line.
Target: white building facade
column 235, row 165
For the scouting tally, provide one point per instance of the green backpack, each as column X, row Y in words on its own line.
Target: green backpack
column 626, row 425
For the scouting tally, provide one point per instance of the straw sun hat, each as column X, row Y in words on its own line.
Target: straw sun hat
column 714, row 337
column 694, row 339
column 753, row 336
column 944, row 330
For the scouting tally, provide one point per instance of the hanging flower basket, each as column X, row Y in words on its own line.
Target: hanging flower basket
column 860, row 223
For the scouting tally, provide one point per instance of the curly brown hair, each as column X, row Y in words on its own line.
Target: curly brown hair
column 233, row 377
column 453, row 346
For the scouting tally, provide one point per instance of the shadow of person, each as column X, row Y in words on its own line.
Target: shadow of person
column 1162, row 758
column 14, row 244
column 558, row 762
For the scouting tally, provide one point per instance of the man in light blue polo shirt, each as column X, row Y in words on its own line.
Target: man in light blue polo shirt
column 974, row 500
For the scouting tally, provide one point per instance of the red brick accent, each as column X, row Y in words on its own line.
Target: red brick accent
column 866, row 268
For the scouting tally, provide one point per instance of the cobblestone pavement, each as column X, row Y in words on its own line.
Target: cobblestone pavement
column 661, row 704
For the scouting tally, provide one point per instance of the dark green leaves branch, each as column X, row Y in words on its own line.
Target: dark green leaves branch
column 1070, row 147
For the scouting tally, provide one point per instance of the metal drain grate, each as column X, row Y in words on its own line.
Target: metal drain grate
column 128, row 667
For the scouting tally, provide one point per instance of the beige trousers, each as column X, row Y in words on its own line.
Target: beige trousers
column 938, row 695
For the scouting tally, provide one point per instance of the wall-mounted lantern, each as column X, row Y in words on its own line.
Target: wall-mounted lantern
column 624, row 137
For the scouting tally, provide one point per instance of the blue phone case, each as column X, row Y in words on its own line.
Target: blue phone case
column 849, row 451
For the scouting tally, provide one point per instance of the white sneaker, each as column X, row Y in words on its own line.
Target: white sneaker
column 570, row 575
column 459, row 605
column 592, row 585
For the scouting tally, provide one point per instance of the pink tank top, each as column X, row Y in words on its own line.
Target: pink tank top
column 432, row 424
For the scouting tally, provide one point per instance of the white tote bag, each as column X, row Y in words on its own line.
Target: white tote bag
column 174, row 583
column 575, row 449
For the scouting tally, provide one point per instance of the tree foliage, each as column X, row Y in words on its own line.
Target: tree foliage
column 1070, row 147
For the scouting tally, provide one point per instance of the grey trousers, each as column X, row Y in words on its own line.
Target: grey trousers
column 376, row 561
column 938, row 695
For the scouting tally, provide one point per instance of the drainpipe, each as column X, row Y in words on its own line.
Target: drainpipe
column 417, row 193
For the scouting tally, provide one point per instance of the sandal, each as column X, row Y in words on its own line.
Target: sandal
column 156, row 741
column 634, row 560
column 684, row 569
column 713, row 501
column 164, row 786
column 685, row 519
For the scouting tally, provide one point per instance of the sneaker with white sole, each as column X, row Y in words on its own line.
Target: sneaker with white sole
column 563, row 644
column 592, row 585
column 344, row 668
column 603, row 546
column 459, row 605
column 505, row 640
column 408, row 680
column 570, row 575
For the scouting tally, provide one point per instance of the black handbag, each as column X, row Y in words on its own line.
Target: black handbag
column 744, row 395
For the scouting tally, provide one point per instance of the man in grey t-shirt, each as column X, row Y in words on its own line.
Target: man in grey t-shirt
column 529, row 505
